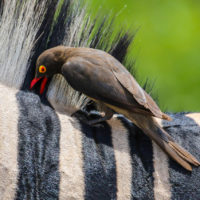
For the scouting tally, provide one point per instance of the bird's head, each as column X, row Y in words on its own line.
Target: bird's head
column 48, row 64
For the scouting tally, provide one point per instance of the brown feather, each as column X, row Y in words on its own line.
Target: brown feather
column 184, row 154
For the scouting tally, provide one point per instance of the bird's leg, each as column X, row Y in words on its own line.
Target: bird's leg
column 82, row 117
column 108, row 114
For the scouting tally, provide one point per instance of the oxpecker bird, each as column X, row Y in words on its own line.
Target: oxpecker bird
column 106, row 81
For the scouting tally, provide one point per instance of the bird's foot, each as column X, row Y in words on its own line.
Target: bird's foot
column 87, row 119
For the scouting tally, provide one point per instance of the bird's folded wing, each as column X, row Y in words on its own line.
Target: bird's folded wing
column 109, row 82
column 97, row 81
column 128, row 82
column 131, row 85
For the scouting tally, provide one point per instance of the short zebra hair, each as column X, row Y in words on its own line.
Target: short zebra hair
column 48, row 155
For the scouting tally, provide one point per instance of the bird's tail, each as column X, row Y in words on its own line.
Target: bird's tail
column 152, row 129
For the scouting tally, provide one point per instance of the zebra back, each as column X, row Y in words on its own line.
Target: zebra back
column 48, row 155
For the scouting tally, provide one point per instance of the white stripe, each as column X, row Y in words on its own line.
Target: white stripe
column 195, row 117
column 8, row 143
column 71, row 160
column 123, row 160
column 161, row 172
column 195, row 121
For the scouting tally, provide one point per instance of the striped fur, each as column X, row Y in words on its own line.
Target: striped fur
column 47, row 155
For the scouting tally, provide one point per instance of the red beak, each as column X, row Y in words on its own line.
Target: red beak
column 43, row 84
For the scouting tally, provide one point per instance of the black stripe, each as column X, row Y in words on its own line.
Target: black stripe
column 184, row 185
column 38, row 157
column 142, row 162
column 1, row 8
column 99, row 161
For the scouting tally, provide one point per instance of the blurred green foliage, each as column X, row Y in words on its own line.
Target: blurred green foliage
column 166, row 46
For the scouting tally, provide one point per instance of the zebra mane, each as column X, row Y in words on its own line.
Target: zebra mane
column 35, row 26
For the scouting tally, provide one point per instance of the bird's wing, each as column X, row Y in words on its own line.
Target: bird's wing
column 107, row 82
column 128, row 82
column 95, row 81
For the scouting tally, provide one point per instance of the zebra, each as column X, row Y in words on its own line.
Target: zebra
column 45, row 153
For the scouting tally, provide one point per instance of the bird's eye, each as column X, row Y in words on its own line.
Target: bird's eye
column 42, row 69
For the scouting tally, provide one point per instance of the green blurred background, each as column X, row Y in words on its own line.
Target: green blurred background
column 166, row 46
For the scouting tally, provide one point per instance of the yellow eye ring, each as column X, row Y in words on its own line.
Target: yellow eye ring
column 42, row 69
